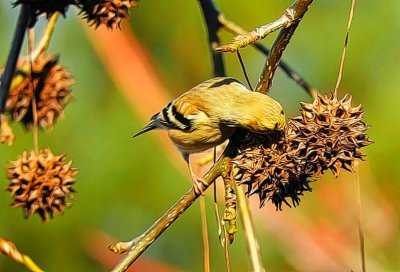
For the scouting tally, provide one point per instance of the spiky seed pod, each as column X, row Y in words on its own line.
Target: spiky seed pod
column 20, row 98
column 107, row 12
column 51, row 85
column 41, row 183
column 47, row 7
column 267, row 170
column 328, row 135
column 54, row 96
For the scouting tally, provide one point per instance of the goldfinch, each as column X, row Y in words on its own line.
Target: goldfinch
column 208, row 114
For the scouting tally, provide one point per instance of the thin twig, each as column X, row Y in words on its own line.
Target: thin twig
column 357, row 176
column 46, row 37
column 41, row 47
column 226, row 248
column 360, row 221
column 236, row 29
column 221, row 237
column 222, row 234
column 138, row 245
column 244, row 70
column 204, row 226
column 9, row 249
column 292, row 14
column 20, row 29
column 271, row 63
column 346, row 41
column 210, row 13
column 35, row 133
column 253, row 247
column 280, row 43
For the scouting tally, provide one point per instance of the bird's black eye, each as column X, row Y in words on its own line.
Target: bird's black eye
column 282, row 112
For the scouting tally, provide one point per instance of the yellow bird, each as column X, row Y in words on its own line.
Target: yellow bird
column 208, row 114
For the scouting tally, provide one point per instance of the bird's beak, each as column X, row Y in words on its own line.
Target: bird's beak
column 150, row 126
column 280, row 124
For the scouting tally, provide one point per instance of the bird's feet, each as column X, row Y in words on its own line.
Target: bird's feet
column 199, row 185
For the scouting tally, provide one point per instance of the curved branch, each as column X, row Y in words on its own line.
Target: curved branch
column 139, row 244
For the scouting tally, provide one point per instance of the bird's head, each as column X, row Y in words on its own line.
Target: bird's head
column 280, row 121
column 268, row 115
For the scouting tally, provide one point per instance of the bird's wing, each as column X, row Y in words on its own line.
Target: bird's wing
column 209, row 102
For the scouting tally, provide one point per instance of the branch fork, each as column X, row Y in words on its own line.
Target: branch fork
column 293, row 14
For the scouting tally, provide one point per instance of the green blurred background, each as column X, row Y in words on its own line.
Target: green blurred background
column 124, row 185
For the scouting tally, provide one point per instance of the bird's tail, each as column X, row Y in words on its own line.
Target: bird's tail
column 150, row 126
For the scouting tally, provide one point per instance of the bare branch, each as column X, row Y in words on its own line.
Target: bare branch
column 45, row 40
column 138, row 245
column 271, row 63
column 236, row 29
column 283, row 39
column 9, row 249
column 346, row 40
column 253, row 247
column 292, row 15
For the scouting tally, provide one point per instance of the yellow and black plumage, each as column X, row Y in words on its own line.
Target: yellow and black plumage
column 208, row 114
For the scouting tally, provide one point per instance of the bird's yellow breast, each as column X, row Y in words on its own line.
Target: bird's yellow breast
column 200, row 139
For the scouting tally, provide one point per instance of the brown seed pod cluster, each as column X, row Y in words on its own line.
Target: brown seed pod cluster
column 47, row 7
column 49, row 83
column 267, row 169
column 41, row 183
column 96, row 12
column 107, row 12
column 328, row 135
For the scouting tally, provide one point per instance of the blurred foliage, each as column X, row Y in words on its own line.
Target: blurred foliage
column 124, row 184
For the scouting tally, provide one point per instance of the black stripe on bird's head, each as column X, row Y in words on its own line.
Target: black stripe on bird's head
column 185, row 123
column 165, row 114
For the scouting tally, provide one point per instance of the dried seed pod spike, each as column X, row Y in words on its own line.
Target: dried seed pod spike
column 327, row 136
column 38, row 185
column 108, row 12
column 49, row 83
